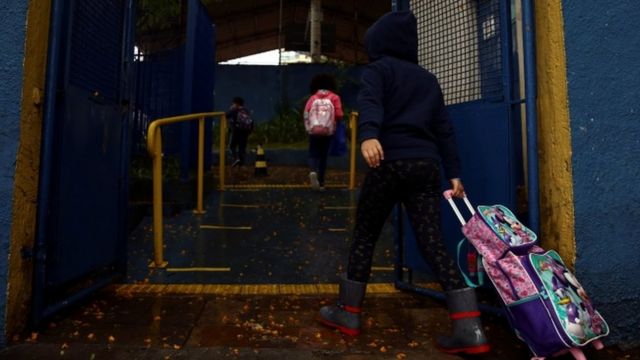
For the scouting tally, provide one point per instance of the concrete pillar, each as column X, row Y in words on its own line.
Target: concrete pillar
column 315, row 19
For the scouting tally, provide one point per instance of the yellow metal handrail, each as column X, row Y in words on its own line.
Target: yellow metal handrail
column 154, row 147
column 353, row 125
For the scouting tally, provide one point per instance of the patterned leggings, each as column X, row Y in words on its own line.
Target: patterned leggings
column 416, row 184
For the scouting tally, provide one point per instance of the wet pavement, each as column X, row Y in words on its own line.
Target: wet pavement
column 115, row 325
column 258, row 236
column 246, row 280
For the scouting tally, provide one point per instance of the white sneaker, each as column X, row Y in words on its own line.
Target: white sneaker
column 313, row 177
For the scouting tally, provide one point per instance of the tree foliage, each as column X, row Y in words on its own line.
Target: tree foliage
column 157, row 15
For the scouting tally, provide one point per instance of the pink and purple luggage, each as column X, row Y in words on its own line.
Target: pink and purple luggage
column 546, row 305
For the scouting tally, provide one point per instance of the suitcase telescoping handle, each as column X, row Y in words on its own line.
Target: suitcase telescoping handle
column 474, row 264
column 449, row 196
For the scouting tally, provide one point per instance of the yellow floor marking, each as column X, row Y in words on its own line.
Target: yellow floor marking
column 240, row 206
column 268, row 186
column 199, row 269
column 222, row 227
column 327, row 288
column 337, row 229
column 382, row 268
column 338, row 207
column 247, row 289
column 184, row 288
column 282, row 186
column 381, row 289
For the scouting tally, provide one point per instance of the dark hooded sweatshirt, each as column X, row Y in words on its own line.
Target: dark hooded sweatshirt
column 400, row 102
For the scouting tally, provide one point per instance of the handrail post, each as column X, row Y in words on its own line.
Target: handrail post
column 158, row 261
column 223, row 140
column 154, row 147
column 199, row 207
column 352, row 158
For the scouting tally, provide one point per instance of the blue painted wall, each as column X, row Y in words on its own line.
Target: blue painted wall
column 259, row 85
column 12, row 36
column 602, row 42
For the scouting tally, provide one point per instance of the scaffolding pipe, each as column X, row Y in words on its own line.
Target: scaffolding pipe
column 315, row 19
column 280, row 34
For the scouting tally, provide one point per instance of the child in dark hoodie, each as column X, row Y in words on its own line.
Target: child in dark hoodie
column 405, row 134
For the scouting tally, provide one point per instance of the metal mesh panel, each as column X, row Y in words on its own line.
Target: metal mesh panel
column 459, row 41
column 159, row 79
column 97, row 68
column 159, row 86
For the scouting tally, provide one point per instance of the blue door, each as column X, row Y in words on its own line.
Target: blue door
column 81, row 239
column 468, row 46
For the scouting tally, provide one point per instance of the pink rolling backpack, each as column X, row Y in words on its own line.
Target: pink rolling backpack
column 546, row 306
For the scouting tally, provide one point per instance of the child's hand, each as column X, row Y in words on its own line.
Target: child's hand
column 372, row 152
column 457, row 188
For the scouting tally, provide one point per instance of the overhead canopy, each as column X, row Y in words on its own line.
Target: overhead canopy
column 246, row 27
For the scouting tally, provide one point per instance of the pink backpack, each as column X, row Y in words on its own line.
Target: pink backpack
column 320, row 118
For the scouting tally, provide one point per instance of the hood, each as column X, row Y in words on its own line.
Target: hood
column 394, row 34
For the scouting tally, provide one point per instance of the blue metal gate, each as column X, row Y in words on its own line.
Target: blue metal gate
column 468, row 45
column 81, row 240
column 174, row 80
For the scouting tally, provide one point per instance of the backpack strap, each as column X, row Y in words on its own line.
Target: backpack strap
column 479, row 271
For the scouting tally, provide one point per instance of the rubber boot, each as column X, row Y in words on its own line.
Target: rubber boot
column 345, row 316
column 468, row 336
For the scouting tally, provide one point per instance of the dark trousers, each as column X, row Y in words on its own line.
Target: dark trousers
column 238, row 145
column 416, row 184
column 318, row 153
